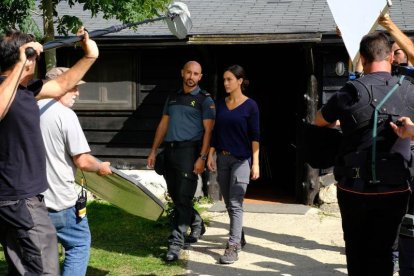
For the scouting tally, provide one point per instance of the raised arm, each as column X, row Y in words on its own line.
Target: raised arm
column 9, row 85
column 402, row 40
column 70, row 78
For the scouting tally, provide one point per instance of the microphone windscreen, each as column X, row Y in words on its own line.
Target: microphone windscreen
column 179, row 22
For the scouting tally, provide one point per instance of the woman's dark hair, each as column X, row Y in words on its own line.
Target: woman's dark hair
column 9, row 48
column 239, row 73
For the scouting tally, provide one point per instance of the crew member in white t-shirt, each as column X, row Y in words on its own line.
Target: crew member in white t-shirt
column 66, row 150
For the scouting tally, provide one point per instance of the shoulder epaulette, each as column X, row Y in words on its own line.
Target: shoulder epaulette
column 205, row 93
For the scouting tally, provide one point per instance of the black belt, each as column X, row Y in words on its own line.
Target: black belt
column 391, row 176
column 352, row 172
column 224, row 152
column 182, row 144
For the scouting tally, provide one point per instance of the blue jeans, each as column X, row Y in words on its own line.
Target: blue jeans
column 74, row 235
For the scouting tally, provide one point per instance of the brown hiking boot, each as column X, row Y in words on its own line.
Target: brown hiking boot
column 240, row 245
column 230, row 254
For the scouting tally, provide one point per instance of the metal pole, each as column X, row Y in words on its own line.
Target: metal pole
column 113, row 29
column 177, row 11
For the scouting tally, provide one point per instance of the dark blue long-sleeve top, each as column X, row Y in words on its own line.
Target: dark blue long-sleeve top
column 236, row 129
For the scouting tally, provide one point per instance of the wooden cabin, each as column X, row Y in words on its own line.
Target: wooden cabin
column 289, row 50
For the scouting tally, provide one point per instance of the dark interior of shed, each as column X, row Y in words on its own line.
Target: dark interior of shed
column 277, row 76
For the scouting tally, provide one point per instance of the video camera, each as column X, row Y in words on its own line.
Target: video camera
column 403, row 69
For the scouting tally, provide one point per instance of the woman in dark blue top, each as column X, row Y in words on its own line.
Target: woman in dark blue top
column 236, row 141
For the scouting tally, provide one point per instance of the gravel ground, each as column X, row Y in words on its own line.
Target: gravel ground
column 277, row 244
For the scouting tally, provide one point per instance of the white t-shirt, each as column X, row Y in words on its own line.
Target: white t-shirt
column 63, row 138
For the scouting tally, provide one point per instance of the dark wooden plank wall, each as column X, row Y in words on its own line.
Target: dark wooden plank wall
column 331, row 82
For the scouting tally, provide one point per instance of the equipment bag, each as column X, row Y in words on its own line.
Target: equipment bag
column 321, row 145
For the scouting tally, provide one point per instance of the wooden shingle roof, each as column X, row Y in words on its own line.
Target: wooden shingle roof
column 248, row 17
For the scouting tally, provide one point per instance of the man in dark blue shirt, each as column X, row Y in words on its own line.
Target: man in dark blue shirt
column 26, row 233
column 371, row 168
column 185, row 127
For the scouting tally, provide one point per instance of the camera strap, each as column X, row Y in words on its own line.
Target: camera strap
column 374, row 128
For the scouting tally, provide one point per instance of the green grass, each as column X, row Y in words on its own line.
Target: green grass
column 123, row 244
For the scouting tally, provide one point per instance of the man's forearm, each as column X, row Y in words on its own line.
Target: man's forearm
column 7, row 89
column 208, row 132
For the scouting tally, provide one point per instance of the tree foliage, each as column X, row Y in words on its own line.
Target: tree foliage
column 18, row 14
column 124, row 10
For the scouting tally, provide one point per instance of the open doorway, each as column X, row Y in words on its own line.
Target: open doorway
column 269, row 68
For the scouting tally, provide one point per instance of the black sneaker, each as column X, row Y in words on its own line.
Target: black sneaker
column 396, row 266
column 230, row 254
column 173, row 253
column 195, row 234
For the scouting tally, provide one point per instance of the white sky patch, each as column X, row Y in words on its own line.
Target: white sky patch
column 356, row 18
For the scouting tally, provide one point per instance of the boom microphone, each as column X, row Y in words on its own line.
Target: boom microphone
column 178, row 21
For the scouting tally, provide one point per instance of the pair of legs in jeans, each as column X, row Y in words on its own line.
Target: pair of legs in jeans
column 233, row 177
column 74, row 235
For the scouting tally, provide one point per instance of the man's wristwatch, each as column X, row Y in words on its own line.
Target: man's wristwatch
column 203, row 157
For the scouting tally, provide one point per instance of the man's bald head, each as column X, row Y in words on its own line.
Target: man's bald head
column 192, row 63
column 191, row 74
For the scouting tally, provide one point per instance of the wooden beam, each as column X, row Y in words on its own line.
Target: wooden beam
column 255, row 38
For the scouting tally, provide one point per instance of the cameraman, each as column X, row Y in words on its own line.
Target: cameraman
column 403, row 48
column 401, row 64
column 403, row 51
column 399, row 37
